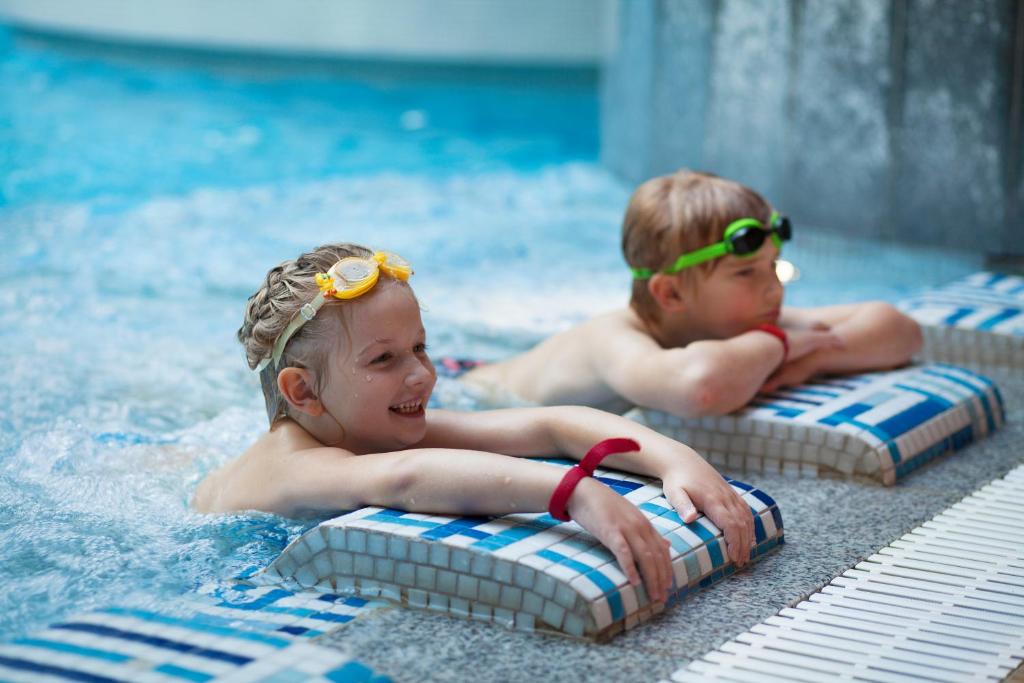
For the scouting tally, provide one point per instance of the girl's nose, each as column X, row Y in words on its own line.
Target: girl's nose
column 419, row 373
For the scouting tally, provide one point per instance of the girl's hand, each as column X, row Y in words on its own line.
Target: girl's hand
column 624, row 530
column 807, row 340
column 698, row 483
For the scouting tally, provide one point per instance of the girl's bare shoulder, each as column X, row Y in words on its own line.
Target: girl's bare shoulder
column 256, row 479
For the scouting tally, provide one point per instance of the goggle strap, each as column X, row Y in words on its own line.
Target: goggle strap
column 641, row 273
column 301, row 317
column 693, row 258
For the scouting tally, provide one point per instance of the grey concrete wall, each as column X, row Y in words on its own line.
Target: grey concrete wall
column 886, row 118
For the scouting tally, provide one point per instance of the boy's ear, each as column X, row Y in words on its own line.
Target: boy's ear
column 296, row 386
column 668, row 291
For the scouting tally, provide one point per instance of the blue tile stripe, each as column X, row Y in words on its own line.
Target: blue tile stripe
column 610, row 590
column 197, row 624
column 183, row 673
column 155, row 641
column 982, row 397
column 19, row 664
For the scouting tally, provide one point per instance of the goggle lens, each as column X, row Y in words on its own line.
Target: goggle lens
column 746, row 241
column 350, row 272
column 783, row 227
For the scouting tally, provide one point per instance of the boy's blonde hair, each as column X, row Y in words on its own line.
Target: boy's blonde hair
column 286, row 289
column 674, row 214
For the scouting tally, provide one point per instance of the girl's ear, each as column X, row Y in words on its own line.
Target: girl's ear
column 296, row 386
column 668, row 291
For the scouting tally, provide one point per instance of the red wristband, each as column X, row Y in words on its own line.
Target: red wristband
column 779, row 334
column 585, row 468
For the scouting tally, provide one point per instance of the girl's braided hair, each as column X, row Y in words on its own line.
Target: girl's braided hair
column 285, row 290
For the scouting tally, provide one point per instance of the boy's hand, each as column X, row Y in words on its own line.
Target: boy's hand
column 624, row 530
column 791, row 374
column 700, row 483
column 806, row 340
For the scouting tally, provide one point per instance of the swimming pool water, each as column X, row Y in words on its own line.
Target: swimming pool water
column 143, row 195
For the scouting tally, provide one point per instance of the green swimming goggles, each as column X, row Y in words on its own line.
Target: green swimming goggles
column 743, row 238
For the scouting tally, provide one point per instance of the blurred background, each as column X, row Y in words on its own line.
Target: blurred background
column 892, row 119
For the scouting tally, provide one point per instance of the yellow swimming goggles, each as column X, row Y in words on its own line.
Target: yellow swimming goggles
column 349, row 278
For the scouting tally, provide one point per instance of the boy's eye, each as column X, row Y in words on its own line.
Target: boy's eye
column 745, row 272
column 420, row 348
column 382, row 358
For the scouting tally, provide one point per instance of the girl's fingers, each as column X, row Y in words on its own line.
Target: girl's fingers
column 649, row 567
column 624, row 556
column 684, row 506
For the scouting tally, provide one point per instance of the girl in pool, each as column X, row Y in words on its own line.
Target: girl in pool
column 337, row 338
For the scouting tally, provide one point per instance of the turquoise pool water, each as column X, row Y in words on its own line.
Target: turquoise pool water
column 143, row 195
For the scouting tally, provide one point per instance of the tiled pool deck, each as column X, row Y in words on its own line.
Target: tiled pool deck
column 830, row 526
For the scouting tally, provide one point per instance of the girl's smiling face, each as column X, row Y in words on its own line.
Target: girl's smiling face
column 380, row 378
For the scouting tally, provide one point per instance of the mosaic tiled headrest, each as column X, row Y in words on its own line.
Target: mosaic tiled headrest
column 979, row 319
column 882, row 425
column 230, row 633
column 525, row 571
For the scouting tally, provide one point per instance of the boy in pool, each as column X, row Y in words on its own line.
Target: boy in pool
column 705, row 329
column 337, row 338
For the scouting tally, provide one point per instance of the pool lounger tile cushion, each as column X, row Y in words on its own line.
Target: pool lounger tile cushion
column 882, row 425
column 524, row 571
column 943, row 603
column 237, row 633
column 978, row 320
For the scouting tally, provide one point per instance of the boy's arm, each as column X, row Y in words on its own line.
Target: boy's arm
column 875, row 336
column 711, row 377
column 573, row 430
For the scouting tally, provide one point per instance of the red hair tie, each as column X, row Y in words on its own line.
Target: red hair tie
column 585, row 468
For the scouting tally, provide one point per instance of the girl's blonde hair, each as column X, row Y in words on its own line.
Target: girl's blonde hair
column 286, row 289
column 674, row 214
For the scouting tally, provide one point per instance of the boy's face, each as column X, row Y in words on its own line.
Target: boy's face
column 379, row 383
column 737, row 295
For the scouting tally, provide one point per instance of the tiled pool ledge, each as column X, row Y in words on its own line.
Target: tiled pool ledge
column 978, row 320
column 882, row 425
column 227, row 633
column 527, row 572
column 945, row 603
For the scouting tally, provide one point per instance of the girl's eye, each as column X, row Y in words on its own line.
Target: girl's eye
column 382, row 358
column 420, row 348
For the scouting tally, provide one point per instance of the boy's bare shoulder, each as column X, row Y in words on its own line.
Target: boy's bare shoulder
column 621, row 321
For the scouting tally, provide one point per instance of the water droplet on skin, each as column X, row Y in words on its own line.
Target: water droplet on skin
column 369, row 378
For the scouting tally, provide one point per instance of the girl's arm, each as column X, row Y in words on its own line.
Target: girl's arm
column 687, row 479
column 470, row 482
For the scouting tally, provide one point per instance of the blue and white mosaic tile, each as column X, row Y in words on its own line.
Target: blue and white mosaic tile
column 978, row 320
column 236, row 633
column 524, row 571
column 882, row 425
